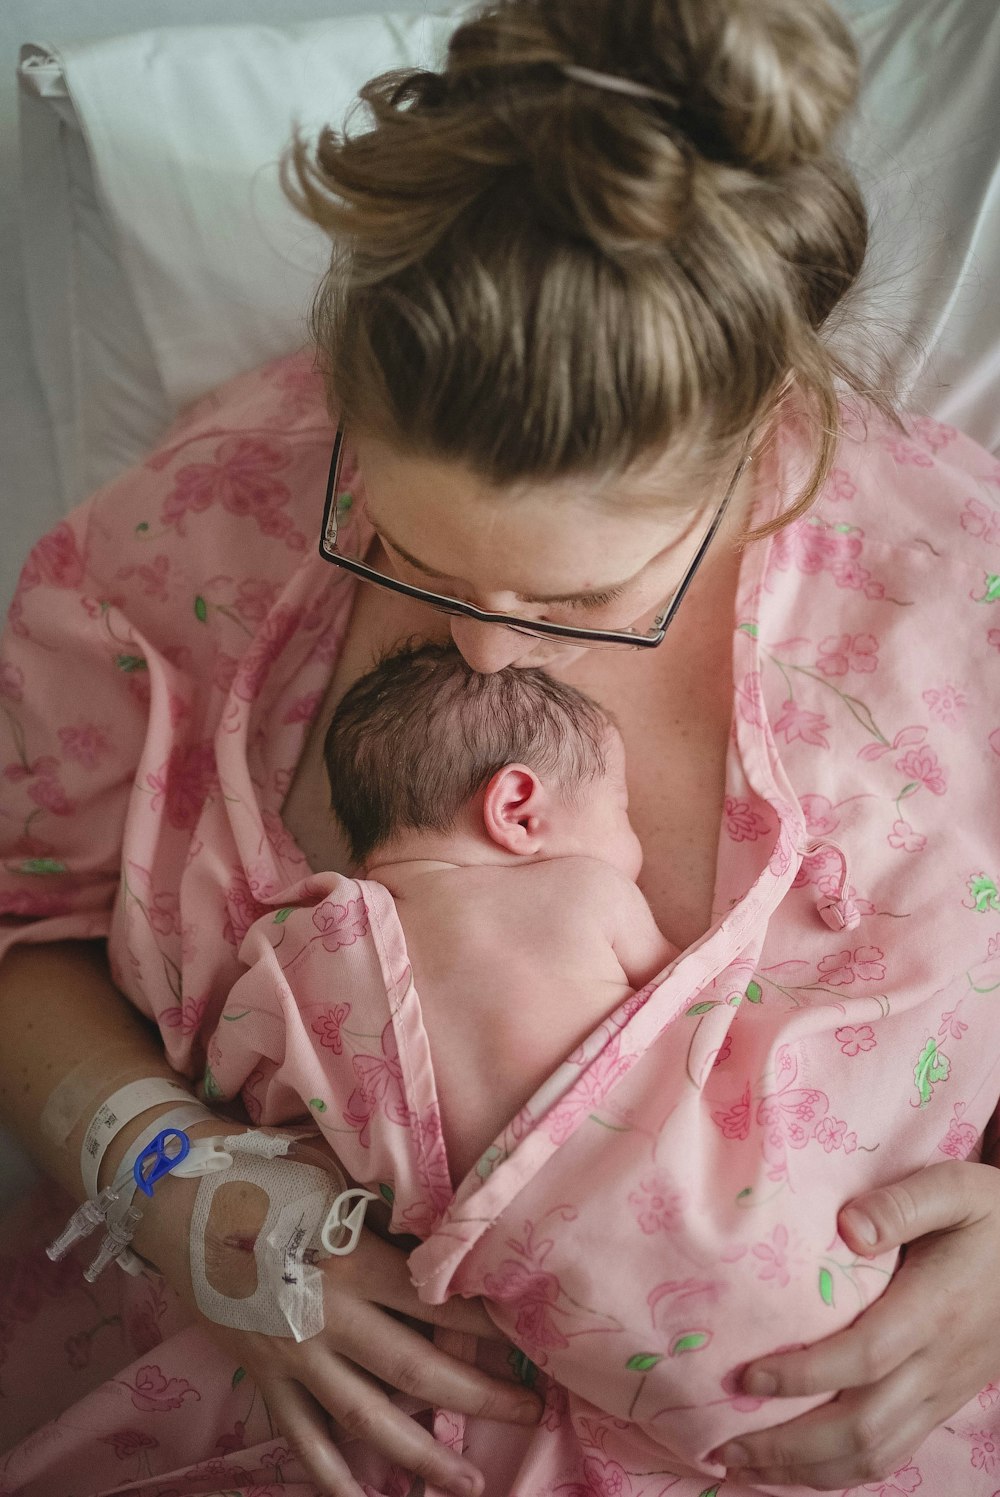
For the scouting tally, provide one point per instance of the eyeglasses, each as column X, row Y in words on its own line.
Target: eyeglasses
column 336, row 505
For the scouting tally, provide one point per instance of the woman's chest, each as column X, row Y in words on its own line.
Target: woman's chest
column 672, row 705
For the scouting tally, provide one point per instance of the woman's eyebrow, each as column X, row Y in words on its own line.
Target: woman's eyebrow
column 578, row 597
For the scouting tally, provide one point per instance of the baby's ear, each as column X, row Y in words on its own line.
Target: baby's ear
column 515, row 810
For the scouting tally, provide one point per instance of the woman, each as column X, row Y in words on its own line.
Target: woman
column 591, row 264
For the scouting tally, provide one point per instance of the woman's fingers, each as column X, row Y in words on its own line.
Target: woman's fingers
column 863, row 1435
column 305, row 1426
column 363, row 1412
column 935, row 1199
column 407, row 1361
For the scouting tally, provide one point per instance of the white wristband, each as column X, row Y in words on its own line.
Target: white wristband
column 124, row 1181
column 126, row 1104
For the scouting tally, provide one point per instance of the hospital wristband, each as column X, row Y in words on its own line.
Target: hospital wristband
column 124, row 1184
column 120, row 1109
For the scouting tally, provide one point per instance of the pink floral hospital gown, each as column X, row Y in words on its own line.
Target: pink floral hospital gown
column 665, row 1207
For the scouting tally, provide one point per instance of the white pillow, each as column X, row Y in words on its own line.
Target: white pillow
column 162, row 258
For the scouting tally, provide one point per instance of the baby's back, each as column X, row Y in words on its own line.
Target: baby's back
column 514, row 967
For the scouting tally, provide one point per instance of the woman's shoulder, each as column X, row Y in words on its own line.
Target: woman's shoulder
column 919, row 484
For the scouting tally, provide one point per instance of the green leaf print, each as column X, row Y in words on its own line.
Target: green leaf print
column 711, row 1491
column 129, row 663
column 142, row 527
column 931, row 1067
column 749, row 628
column 387, row 1193
column 200, row 608
column 283, row 915
column 41, row 865
column 992, row 593
column 826, row 1286
column 238, row 1377
column 317, row 1104
column 690, row 1341
column 344, row 502
column 643, row 1361
column 754, row 992
column 746, row 1191
column 232, row 1018
column 701, row 1008
column 212, row 1088
column 985, row 894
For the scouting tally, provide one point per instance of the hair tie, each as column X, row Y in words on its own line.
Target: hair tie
column 617, row 85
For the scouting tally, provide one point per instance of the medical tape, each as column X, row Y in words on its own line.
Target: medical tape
column 288, row 1298
column 76, row 1095
column 120, row 1109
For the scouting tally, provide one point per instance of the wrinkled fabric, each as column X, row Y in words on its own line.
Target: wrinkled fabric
column 665, row 1207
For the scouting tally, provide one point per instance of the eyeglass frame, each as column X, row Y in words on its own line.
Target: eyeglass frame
column 540, row 628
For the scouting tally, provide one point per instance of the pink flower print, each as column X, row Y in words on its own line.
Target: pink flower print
column 86, row 743
column 154, row 1393
column 951, row 1026
column 341, row 924
column 184, row 782
column 186, row 1016
column 724, row 1051
column 164, row 912
column 12, row 680
column 327, row 1026
column 587, row 1093
column 432, row 1162
column 985, row 1454
column 945, row 702
column 820, row 815
column 242, row 909
column 904, row 839
column 153, row 577
column 304, row 708
column 900, row 1484
column 227, row 1443
column 224, row 671
column 961, row 1138
column 773, row 1257
column 982, row 521
column 743, row 823
column 605, row 1478
column 46, row 790
column 992, row 636
column 921, row 765
column 268, row 645
column 905, row 453
column 657, row 1208
column 56, row 559
column 794, row 723
column 126, row 1442
column 994, row 740
column 855, row 1038
column 750, row 699
column 241, row 479
column 803, row 545
column 535, row 1294
column 933, row 434
column 255, row 599
column 830, row 1133
column 380, row 1088
column 840, row 653
column 866, row 963
column 988, row 1396
column 840, row 486
column 735, row 1121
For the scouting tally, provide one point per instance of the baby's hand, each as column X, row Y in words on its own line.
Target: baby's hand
column 639, row 944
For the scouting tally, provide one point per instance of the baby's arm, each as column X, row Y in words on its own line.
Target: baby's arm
column 638, row 942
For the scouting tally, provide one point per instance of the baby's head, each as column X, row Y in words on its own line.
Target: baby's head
column 425, row 751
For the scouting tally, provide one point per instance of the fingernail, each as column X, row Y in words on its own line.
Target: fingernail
column 730, row 1455
column 862, row 1226
column 759, row 1385
column 528, row 1413
column 470, row 1485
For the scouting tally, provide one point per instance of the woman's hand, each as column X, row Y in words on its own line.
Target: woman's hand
column 911, row 1359
column 326, row 1391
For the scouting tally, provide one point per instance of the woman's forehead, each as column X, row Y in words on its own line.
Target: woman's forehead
column 560, row 537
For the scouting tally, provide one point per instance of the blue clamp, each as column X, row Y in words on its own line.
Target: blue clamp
column 163, row 1162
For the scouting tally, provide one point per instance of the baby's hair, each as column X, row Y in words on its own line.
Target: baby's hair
column 544, row 279
column 421, row 733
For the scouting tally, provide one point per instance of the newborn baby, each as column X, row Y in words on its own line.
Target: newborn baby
column 494, row 809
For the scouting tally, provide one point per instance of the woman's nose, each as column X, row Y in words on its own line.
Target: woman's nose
column 488, row 647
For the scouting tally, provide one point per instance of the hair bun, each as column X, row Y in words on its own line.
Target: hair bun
column 768, row 81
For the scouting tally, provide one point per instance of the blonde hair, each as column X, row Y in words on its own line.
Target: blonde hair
column 542, row 278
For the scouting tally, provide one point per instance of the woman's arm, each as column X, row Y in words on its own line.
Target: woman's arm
column 58, row 1008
